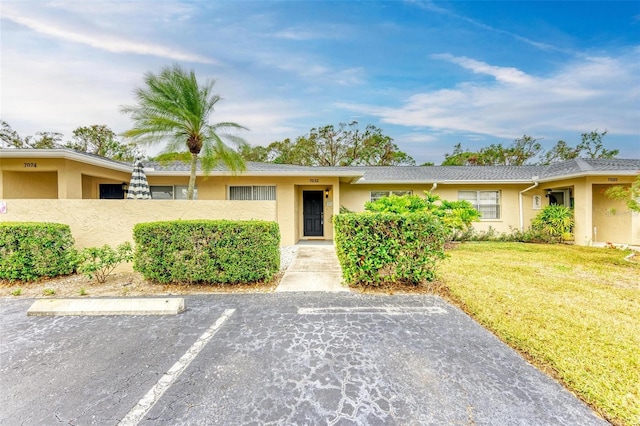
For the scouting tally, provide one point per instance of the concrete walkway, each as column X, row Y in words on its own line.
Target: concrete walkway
column 314, row 268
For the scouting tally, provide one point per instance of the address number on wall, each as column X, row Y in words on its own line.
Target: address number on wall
column 31, row 165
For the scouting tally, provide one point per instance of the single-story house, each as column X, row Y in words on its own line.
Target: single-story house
column 89, row 193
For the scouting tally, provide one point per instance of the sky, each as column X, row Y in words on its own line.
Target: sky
column 429, row 74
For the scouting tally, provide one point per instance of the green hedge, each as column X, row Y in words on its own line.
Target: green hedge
column 379, row 248
column 207, row 251
column 30, row 250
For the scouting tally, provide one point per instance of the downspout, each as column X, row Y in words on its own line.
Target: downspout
column 435, row 185
column 535, row 183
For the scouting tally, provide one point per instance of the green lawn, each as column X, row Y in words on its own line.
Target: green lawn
column 572, row 311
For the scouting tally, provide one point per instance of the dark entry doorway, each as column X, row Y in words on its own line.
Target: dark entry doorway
column 313, row 213
column 110, row 191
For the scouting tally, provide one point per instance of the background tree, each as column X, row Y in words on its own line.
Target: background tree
column 344, row 145
column 42, row 140
column 174, row 108
column 520, row 152
column 591, row 146
column 101, row 140
column 526, row 149
column 560, row 152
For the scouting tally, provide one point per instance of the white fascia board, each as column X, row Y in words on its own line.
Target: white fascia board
column 66, row 154
column 591, row 173
column 153, row 172
column 439, row 182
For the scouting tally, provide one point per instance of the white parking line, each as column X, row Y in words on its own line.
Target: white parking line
column 386, row 310
column 155, row 393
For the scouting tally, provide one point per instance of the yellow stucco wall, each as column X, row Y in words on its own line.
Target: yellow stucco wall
column 611, row 218
column 74, row 180
column 28, row 185
column 353, row 198
column 98, row 222
column 47, row 178
column 288, row 198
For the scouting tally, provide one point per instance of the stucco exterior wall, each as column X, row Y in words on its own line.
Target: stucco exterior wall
column 28, row 185
column 612, row 219
column 73, row 179
column 98, row 222
column 288, row 198
column 353, row 198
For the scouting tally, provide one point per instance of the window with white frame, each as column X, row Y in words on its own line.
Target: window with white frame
column 171, row 192
column 486, row 202
column 376, row 195
column 255, row 192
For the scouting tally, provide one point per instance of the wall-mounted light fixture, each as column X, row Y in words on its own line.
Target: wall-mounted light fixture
column 124, row 186
column 548, row 192
column 326, row 193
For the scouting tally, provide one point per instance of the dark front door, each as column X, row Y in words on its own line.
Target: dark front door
column 313, row 213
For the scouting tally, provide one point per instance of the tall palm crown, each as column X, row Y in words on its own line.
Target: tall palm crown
column 174, row 109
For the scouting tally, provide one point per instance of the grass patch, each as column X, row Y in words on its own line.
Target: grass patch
column 572, row 311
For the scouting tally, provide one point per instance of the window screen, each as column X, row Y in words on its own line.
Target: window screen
column 486, row 202
column 262, row 193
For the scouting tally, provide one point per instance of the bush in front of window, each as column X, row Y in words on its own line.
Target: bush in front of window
column 383, row 248
column 33, row 250
column 456, row 216
column 207, row 251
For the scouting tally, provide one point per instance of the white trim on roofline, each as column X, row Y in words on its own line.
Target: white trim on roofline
column 440, row 182
column 591, row 173
column 66, row 154
column 272, row 173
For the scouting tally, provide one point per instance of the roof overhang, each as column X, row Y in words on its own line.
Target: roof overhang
column 441, row 182
column 589, row 174
column 349, row 175
column 66, row 154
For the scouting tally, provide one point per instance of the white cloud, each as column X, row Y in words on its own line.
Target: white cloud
column 601, row 92
column 97, row 39
column 503, row 74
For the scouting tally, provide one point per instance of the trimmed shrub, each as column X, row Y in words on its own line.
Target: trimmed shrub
column 32, row 250
column 380, row 248
column 98, row 262
column 207, row 251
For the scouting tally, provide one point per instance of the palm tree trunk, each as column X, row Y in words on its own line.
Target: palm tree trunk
column 192, row 178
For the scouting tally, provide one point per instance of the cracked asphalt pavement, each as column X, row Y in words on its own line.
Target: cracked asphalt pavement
column 276, row 359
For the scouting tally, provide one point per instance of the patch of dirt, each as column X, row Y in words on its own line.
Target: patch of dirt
column 123, row 284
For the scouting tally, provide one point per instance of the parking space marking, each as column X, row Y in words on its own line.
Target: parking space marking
column 386, row 310
column 155, row 393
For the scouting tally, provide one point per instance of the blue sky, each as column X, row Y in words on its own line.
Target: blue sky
column 430, row 74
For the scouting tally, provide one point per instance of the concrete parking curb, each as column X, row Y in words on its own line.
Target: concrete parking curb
column 147, row 306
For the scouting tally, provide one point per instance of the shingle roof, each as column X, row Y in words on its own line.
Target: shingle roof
column 363, row 175
column 447, row 173
column 176, row 166
column 431, row 174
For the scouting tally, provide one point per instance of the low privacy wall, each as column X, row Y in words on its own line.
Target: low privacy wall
column 98, row 222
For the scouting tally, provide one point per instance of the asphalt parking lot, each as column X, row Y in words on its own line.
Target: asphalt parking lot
column 275, row 359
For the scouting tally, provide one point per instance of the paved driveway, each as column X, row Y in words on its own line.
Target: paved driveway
column 287, row 358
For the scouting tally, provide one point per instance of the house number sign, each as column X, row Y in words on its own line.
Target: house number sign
column 314, row 180
column 31, row 165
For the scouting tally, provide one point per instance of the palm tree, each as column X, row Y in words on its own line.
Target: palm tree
column 173, row 108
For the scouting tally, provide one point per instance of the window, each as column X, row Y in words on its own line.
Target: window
column 376, row 195
column 181, row 192
column 486, row 202
column 258, row 193
column 170, row 192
